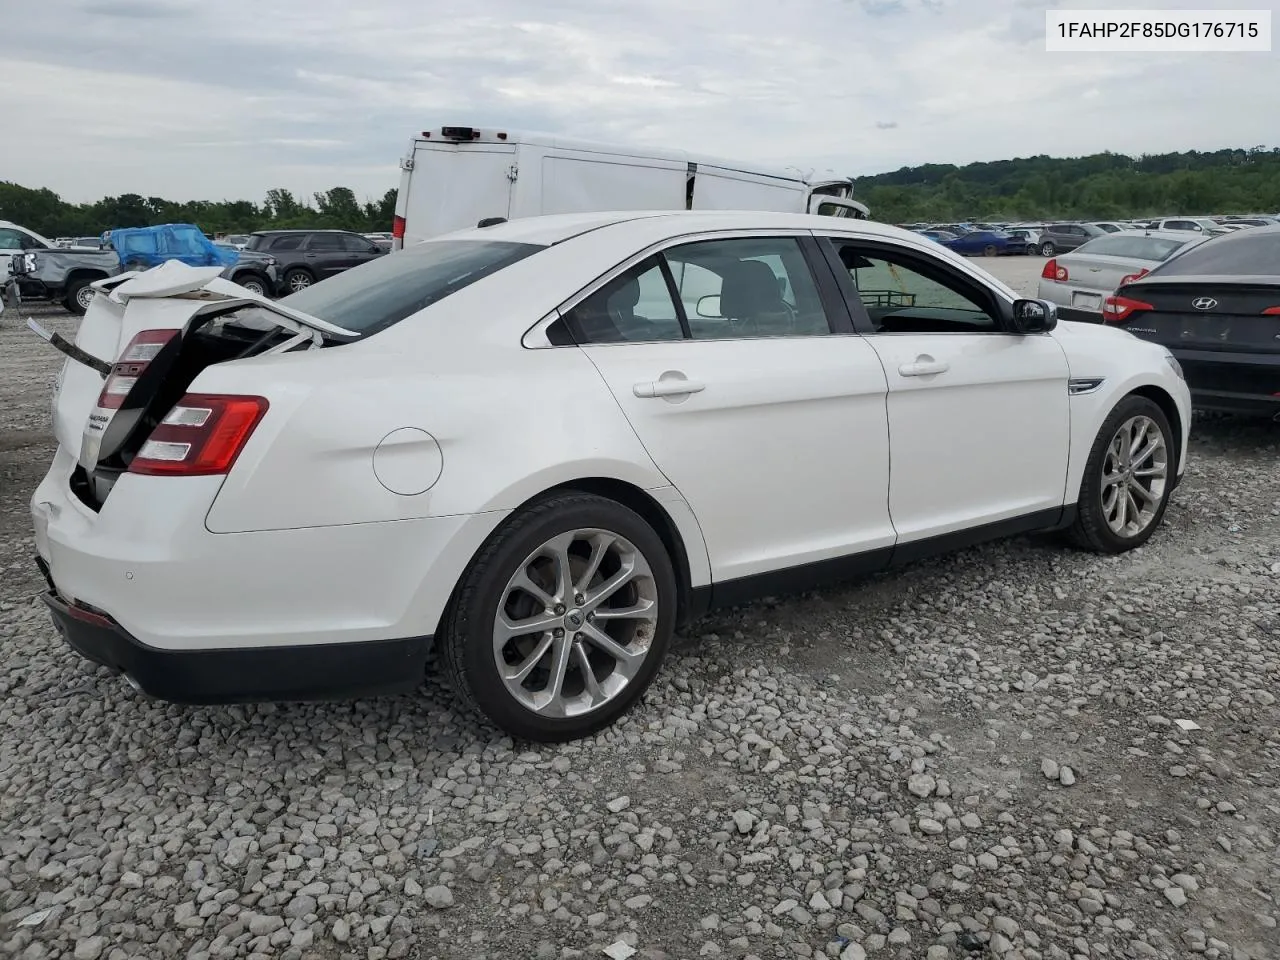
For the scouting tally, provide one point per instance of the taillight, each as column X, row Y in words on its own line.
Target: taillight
column 1052, row 271
column 1119, row 309
column 1271, row 312
column 397, row 228
column 200, row 436
column 1130, row 277
column 133, row 363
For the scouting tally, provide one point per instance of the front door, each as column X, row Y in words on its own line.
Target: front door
column 979, row 425
column 769, row 424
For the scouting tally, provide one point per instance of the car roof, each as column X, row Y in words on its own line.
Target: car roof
column 554, row 228
column 268, row 233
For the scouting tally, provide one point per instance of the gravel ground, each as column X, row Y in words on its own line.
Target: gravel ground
column 1020, row 751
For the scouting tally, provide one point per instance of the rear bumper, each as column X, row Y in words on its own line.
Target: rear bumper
column 246, row 675
column 1245, row 383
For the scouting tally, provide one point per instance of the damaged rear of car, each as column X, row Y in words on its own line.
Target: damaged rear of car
column 205, row 584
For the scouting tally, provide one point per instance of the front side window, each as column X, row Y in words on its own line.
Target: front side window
column 903, row 295
column 10, row 239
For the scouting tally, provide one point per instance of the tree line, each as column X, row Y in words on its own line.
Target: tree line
column 1100, row 186
column 46, row 213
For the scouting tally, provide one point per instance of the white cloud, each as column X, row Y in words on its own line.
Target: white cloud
column 186, row 100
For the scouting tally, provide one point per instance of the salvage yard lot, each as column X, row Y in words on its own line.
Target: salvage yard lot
column 979, row 753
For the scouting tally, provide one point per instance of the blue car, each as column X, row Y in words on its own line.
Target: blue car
column 140, row 248
column 987, row 243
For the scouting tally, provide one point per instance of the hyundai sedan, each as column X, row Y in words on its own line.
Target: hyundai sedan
column 539, row 447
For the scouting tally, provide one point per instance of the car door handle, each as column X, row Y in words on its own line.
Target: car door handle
column 667, row 388
column 924, row 366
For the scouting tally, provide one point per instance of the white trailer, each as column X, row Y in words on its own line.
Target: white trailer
column 455, row 177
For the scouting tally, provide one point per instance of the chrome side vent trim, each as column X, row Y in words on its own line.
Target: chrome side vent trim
column 1078, row 385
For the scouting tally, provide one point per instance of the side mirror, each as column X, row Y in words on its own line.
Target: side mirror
column 709, row 307
column 1034, row 316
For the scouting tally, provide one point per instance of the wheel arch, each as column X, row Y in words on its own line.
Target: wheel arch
column 652, row 511
column 1169, row 407
column 88, row 274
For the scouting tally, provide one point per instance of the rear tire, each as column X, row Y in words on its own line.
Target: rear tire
column 253, row 283
column 296, row 280
column 78, row 296
column 510, row 676
column 1125, row 491
column 1047, row 249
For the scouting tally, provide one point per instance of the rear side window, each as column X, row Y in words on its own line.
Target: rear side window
column 384, row 291
column 1243, row 253
column 326, row 241
column 290, row 241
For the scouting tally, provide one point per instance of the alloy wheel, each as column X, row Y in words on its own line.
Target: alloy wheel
column 1135, row 471
column 299, row 281
column 575, row 623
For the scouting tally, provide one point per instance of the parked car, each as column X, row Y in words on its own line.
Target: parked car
column 1030, row 238
column 1061, row 237
column 62, row 275
column 1079, row 281
column 1216, row 307
column 938, row 236
column 304, row 257
column 254, row 271
column 141, row 248
column 986, row 243
column 615, row 462
column 237, row 241
column 1201, row 225
column 1110, row 226
column 1252, row 221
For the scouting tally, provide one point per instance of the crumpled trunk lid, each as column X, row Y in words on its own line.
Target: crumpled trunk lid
column 172, row 297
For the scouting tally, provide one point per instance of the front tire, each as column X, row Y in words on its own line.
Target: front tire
column 990, row 250
column 1127, row 479
column 253, row 283
column 562, row 620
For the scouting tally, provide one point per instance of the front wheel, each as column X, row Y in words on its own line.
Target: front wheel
column 990, row 250
column 562, row 620
column 1127, row 479
column 253, row 283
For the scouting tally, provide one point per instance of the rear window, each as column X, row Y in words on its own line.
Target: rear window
column 383, row 292
column 1243, row 253
column 1137, row 248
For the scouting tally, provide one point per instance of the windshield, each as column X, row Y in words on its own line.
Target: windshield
column 1137, row 248
column 382, row 292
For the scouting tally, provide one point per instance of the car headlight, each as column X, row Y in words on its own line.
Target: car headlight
column 1177, row 367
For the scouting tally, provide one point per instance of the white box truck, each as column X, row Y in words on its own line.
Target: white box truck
column 455, row 177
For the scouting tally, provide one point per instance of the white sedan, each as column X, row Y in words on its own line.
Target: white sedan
column 541, row 446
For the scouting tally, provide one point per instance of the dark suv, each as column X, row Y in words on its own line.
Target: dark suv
column 304, row 257
column 1061, row 237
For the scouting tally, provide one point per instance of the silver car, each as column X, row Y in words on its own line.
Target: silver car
column 1079, row 281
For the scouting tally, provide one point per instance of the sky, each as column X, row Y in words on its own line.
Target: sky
column 225, row 99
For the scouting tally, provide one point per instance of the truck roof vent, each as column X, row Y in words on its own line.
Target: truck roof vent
column 491, row 221
column 459, row 133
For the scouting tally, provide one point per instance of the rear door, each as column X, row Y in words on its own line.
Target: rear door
column 753, row 397
column 453, row 186
column 327, row 254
